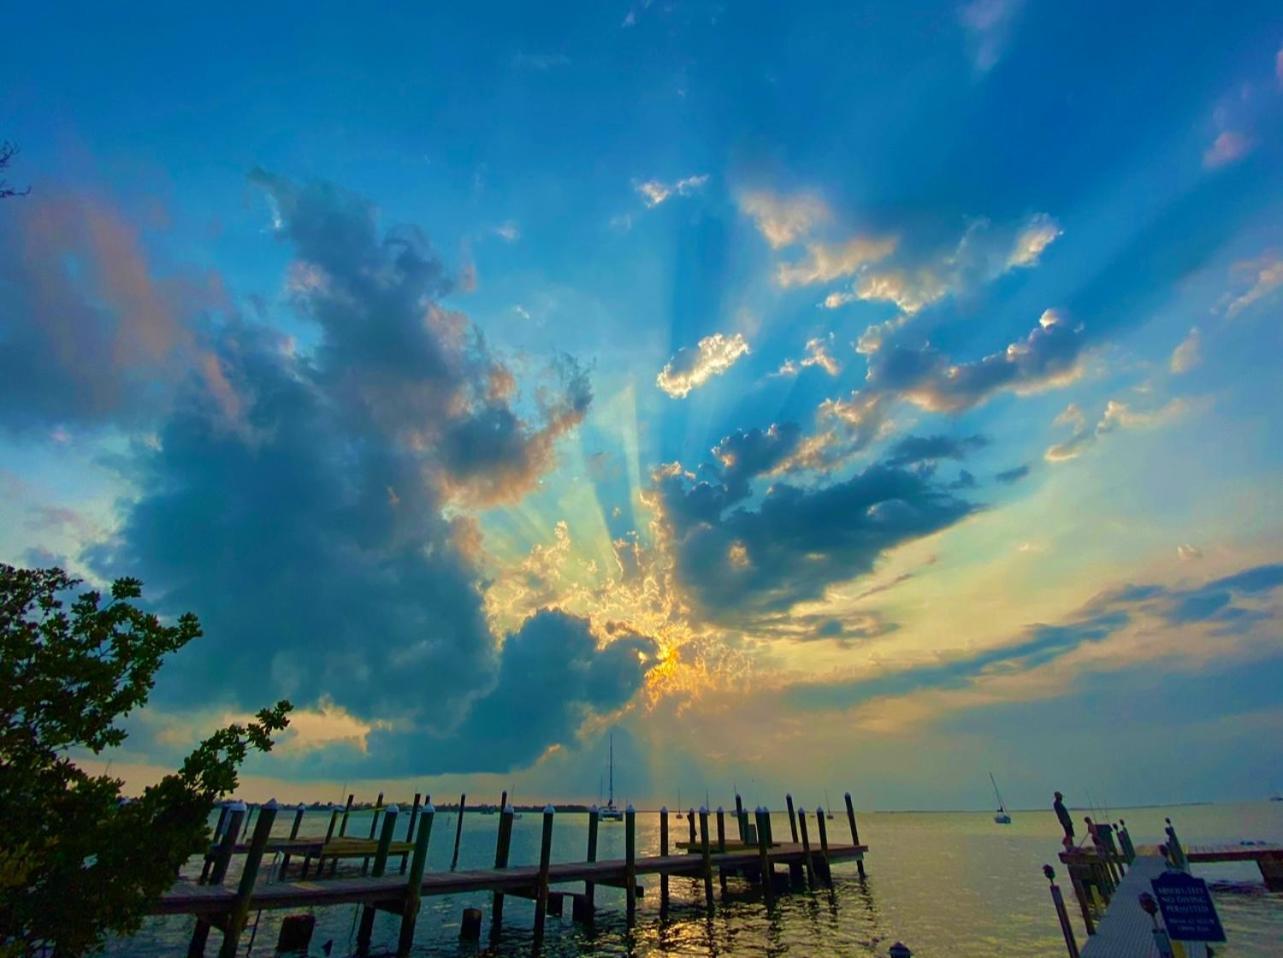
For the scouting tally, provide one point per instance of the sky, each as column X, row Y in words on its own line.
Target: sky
column 835, row 397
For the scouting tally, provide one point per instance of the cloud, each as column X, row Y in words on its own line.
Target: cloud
column 817, row 354
column 1224, row 607
column 1048, row 356
column 913, row 450
column 824, row 262
column 1188, row 354
column 90, row 332
column 737, row 564
column 322, row 546
column 1187, row 552
column 1264, row 275
column 690, row 368
column 1010, row 476
column 655, row 192
column 783, row 220
column 1228, row 147
column 984, row 253
column 1117, row 415
column 987, row 24
column 508, row 231
column 1039, row 233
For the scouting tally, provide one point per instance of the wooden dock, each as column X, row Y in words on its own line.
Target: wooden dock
column 709, row 853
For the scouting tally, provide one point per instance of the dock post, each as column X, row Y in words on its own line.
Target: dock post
column 366, row 929
column 217, row 867
column 414, row 887
column 374, row 829
column 503, row 844
column 764, row 858
column 788, row 800
column 1125, row 839
column 721, row 845
column 822, row 829
column 541, row 891
column 855, row 832
column 583, row 908
column 458, row 832
column 298, row 821
column 706, row 856
column 347, row 810
column 409, row 831
column 1174, row 844
column 630, row 863
column 663, row 852
column 806, row 848
column 741, row 817
column 245, row 890
column 1058, row 900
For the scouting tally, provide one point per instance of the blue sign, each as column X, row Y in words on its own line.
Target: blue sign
column 1187, row 908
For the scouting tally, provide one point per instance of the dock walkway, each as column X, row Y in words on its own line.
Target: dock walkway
column 1126, row 931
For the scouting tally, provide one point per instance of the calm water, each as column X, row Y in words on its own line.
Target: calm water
column 947, row 884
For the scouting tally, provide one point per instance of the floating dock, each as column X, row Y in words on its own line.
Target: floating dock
column 709, row 853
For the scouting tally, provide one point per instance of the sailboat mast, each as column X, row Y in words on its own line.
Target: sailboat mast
column 997, row 794
column 612, row 770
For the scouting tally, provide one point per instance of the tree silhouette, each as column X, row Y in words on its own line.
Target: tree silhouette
column 7, row 152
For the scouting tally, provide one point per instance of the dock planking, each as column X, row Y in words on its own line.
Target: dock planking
column 219, row 906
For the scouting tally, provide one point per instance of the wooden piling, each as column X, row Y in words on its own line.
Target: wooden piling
column 740, row 817
column 217, row 871
column 721, row 845
column 366, row 928
column 236, row 917
column 298, row 821
column 806, row 848
column 347, row 810
column 788, row 800
column 458, row 833
column 414, row 887
column 503, row 845
column 764, row 859
column 823, row 831
column 855, row 832
column 1058, row 900
column 630, row 863
column 409, row 831
column 690, row 827
column 663, row 851
column 706, row 855
column 374, row 828
column 541, row 891
column 589, row 905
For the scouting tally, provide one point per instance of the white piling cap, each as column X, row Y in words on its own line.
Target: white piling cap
column 801, row 810
column 762, row 809
column 391, row 810
column 237, row 806
column 549, row 810
column 429, row 808
column 508, row 808
column 663, row 810
column 703, row 809
column 630, row 808
column 819, row 809
column 270, row 803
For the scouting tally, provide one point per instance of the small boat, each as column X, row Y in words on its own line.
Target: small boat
column 1000, row 817
column 610, row 813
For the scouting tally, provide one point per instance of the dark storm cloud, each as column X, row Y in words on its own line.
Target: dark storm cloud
column 1214, row 603
column 1014, row 475
column 298, row 508
column 915, row 449
column 740, row 563
column 929, row 379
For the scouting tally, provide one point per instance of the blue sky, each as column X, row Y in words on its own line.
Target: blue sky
column 899, row 380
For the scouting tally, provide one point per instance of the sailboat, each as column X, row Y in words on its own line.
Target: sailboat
column 610, row 813
column 828, row 809
column 1001, row 817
